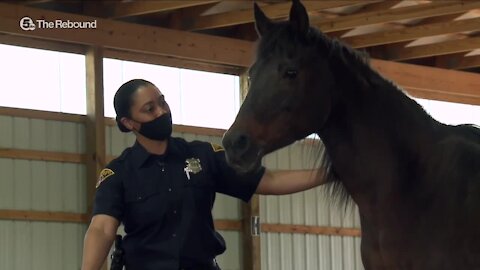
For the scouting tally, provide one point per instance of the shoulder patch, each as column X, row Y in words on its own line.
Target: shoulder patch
column 104, row 174
column 216, row 147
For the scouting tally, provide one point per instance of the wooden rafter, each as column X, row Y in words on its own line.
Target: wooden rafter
column 440, row 19
column 140, row 38
column 457, row 61
column 274, row 11
column 184, row 16
column 366, row 8
column 136, row 8
column 397, row 14
column 435, row 49
column 34, row 2
column 447, row 85
column 411, row 33
column 378, row 6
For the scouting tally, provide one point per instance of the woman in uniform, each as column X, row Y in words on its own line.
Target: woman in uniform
column 163, row 189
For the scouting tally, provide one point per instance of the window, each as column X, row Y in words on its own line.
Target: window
column 42, row 80
column 209, row 99
column 447, row 112
column 196, row 98
column 451, row 113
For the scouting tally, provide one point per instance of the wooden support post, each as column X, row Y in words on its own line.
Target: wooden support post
column 251, row 243
column 95, row 123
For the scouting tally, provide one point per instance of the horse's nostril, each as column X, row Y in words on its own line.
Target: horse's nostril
column 236, row 144
column 241, row 142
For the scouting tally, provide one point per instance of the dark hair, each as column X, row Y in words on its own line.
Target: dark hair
column 123, row 100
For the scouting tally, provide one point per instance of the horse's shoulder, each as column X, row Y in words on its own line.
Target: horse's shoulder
column 458, row 147
column 469, row 130
column 461, row 136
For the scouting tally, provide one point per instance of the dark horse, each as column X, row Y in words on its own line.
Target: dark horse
column 416, row 181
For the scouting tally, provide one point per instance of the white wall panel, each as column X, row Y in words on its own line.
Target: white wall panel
column 232, row 258
column 41, row 186
column 40, row 245
column 312, row 207
column 6, row 131
column 37, row 134
column 54, row 136
column 7, row 241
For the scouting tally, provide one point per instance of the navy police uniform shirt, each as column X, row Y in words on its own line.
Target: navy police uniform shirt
column 165, row 202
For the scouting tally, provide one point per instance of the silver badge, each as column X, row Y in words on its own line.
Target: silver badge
column 192, row 165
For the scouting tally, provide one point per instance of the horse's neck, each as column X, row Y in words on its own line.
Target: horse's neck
column 371, row 130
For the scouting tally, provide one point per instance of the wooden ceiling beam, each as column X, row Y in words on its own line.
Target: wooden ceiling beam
column 184, row 16
column 380, row 6
column 273, row 11
column 432, row 83
column 396, row 14
column 412, row 33
column 127, row 36
column 440, row 19
column 27, row 2
column 448, row 85
column 41, row 44
column 457, row 61
column 120, row 10
column 435, row 49
column 33, row 2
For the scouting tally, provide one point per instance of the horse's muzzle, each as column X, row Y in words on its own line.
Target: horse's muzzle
column 241, row 152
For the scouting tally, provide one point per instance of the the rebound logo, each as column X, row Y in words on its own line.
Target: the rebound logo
column 28, row 24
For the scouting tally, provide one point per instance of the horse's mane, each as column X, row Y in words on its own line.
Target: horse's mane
column 355, row 64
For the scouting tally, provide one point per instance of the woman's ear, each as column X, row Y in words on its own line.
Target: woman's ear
column 127, row 123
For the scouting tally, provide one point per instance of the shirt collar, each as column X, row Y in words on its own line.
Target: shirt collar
column 140, row 154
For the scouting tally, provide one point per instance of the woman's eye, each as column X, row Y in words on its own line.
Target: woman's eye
column 290, row 73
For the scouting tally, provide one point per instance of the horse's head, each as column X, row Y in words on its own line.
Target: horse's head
column 289, row 94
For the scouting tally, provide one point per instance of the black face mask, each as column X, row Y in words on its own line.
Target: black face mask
column 158, row 129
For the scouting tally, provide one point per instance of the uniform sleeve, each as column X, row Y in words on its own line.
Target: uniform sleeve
column 229, row 182
column 109, row 194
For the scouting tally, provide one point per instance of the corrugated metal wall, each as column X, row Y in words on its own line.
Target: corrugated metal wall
column 60, row 186
column 41, row 186
column 312, row 207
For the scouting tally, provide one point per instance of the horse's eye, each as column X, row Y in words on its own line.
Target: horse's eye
column 290, row 73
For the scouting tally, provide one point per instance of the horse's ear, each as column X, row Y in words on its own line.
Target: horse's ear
column 262, row 23
column 299, row 17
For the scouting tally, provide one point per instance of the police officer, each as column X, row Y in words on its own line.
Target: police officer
column 163, row 189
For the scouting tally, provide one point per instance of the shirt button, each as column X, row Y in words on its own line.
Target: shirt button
column 174, row 235
column 169, row 189
column 175, row 211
